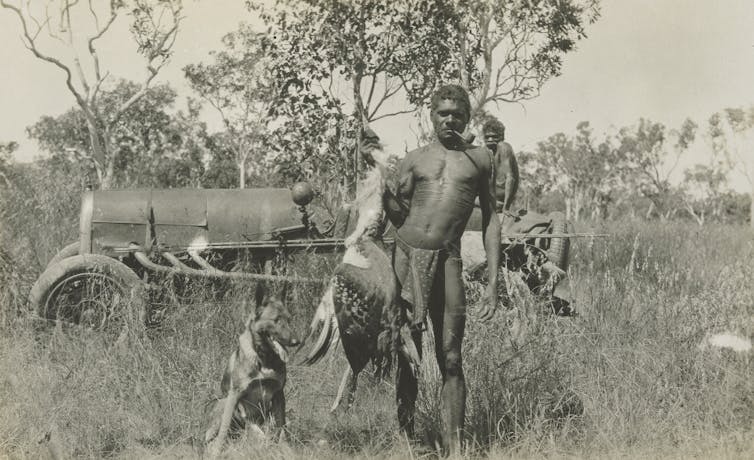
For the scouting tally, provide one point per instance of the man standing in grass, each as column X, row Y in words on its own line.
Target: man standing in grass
column 506, row 167
column 437, row 186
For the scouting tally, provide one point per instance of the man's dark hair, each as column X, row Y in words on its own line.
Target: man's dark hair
column 453, row 93
column 493, row 125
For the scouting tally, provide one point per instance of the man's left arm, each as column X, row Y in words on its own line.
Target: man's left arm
column 491, row 236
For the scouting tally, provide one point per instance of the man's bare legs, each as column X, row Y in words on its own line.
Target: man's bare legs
column 448, row 314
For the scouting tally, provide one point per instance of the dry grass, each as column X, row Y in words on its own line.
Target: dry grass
column 624, row 379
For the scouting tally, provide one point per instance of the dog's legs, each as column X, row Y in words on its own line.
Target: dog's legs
column 214, row 419
column 216, row 445
column 278, row 409
column 257, row 430
column 278, row 413
column 350, row 379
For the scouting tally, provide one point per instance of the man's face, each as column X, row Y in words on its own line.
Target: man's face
column 491, row 138
column 449, row 116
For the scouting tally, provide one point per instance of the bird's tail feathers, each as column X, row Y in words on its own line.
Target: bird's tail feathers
column 327, row 324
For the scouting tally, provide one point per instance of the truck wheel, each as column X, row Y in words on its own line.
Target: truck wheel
column 90, row 290
column 559, row 247
column 68, row 251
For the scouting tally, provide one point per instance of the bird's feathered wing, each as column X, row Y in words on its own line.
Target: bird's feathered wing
column 364, row 299
column 357, row 306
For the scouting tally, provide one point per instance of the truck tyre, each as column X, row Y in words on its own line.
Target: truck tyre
column 559, row 247
column 91, row 290
column 68, row 251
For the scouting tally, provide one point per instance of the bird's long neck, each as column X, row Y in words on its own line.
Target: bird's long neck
column 369, row 201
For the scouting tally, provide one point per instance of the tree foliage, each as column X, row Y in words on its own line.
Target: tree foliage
column 6, row 158
column 505, row 51
column 381, row 47
column 378, row 50
column 731, row 133
column 236, row 85
column 585, row 171
column 650, row 160
column 391, row 55
column 150, row 146
column 631, row 171
column 704, row 192
column 66, row 34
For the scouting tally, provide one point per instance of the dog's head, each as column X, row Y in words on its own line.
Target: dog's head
column 272, row 321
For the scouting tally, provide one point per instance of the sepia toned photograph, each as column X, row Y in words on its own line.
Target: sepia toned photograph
column 376, row 229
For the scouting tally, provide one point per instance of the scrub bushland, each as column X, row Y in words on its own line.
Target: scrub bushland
column 628, row 376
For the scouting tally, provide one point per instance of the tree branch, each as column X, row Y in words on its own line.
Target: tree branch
column 29, row 43
column 164, row 45
column 399, row 112
column 66, row 13
column 100, row 32
column 462, row 55
column 371, row 92
column 387, row 94
column 484, row 35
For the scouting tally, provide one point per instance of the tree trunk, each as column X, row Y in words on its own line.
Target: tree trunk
column 107, row 180
column 357, row 151
column 103, row 165
column 462, row 58
column 358, row 102
column 359, row 116
column 241, row 150
column 699, row 217
column 578, row 204
column 649, row 211
column 242, row 174
column 751, row 206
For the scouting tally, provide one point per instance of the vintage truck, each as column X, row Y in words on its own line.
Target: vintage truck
column 125, row 236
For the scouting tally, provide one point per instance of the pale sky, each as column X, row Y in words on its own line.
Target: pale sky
column 660, row 59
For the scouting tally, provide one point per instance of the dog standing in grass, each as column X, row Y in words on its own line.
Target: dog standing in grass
column 254, row 380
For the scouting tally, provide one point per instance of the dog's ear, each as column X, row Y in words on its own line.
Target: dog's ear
column 259, row 296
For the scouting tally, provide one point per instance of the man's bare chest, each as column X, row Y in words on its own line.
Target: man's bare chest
column 451, row 166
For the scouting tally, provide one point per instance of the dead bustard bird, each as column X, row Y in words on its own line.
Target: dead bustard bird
column 359, row 307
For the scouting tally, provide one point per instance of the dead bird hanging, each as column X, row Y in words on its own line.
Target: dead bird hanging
column 359, row 308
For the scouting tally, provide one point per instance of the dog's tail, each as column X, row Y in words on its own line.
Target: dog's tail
column 326, row 323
